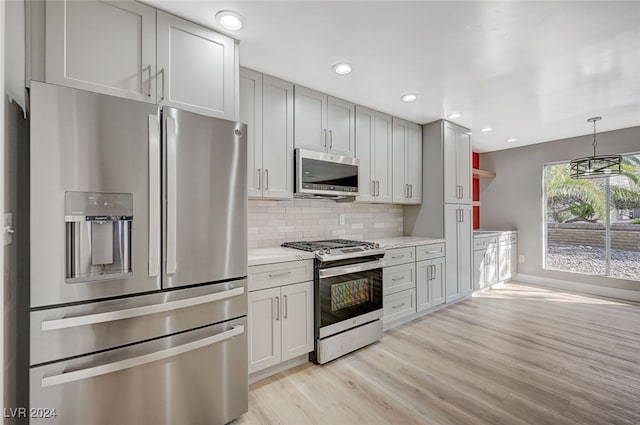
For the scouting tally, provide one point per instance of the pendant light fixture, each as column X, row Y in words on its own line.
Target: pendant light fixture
column 597, row 165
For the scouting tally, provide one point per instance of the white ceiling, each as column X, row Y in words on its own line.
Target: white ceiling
column 534, row 71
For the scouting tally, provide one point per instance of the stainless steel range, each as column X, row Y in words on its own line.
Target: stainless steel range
column 348, row 295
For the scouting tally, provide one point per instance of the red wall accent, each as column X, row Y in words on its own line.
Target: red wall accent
column 476, row 191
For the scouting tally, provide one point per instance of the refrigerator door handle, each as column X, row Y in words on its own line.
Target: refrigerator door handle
column 92, row 372
column 128, row 313
column 172, row 206
column 154, row 196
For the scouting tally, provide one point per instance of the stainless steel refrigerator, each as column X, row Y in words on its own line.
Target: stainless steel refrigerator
column 137, row 262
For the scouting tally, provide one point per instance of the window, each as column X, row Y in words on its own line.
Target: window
column 593, row 225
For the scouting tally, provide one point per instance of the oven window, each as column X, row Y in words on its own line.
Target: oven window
column 347, row 296
column 351, row 293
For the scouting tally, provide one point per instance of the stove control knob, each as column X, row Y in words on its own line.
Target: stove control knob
column 376, row 245
column 327, row 251
column 366, row 247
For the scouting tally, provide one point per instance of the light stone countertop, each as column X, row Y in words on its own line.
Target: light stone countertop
column 405, row 241
column 486, row 232
column 260, row 256
column 277, row 254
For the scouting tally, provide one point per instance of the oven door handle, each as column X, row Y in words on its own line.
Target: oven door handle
column 355, row 268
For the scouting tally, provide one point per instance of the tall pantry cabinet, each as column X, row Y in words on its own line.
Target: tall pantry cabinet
column 446, row 186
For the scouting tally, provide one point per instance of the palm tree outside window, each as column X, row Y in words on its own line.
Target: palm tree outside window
column 576, row 221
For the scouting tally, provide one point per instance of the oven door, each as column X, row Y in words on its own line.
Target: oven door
column 347, row 292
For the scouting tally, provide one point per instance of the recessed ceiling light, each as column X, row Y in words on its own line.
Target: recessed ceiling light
column 342, row 68
column 511, row 140
column 454, row 115
column 486, row 129
column 230, row 20
column 409, row 97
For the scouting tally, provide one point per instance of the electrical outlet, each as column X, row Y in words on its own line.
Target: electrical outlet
column 341, row 218
column 521, row 258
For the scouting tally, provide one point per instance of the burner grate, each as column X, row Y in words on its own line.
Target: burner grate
column 327, row 244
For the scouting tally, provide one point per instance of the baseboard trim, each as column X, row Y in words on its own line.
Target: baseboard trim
column 280, row 367
column 586, row 288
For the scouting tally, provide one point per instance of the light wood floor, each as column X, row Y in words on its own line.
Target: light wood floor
column 512, row 355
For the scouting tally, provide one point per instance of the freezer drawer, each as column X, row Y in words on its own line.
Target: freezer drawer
column 197, row 377
column 60, row 333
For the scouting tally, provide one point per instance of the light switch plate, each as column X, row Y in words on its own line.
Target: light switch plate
column 521, row 259
column 8, row 228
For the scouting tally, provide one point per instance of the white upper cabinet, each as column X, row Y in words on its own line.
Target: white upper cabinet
column 196, row 68
column 127, row 49
column 251, row 114
column 341, row 125
column 374, row 149
column 413, row 164
column 266, row 106
column 407, row 162
column 457, row 164
column 277, row 138
column 103, row 46
column 324, row 123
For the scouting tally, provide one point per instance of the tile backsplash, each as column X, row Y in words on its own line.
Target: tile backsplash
column 273, row 222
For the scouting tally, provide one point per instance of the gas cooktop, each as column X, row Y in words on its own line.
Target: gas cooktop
column 337, row 249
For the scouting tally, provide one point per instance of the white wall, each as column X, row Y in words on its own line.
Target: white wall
column 274, row 222
column 514, row 199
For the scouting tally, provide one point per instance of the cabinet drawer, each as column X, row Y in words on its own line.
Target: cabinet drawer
column 399, row 305
column 427, row 252
column 479, row 244
column 485, row 242
column 398, row 278
column 509, row 238
column 272, row 275
column 393, row 257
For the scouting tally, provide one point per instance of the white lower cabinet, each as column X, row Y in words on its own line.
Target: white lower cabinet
column 399, row 305
column 494, row 258
column 430, row 283
column 399, row 284
column 280, row 318
column 458, row 233
column 507, row 256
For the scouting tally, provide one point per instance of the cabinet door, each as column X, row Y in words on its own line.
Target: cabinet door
column 196, row 68
column 400, row 136
column 451, row 218
column 264, row 317
column 479, row 262
column 277, row 138
column 251, row 114
column 382, row 157
column 310, row 127
column 465, row 249
column 491, row 269
column 103, row 46
column 365, row 129
column 503, row 263
column 413, row 163
column 341, row 124
column 437, row 288
column 463, row 165
column 513, row 260
column 424, row 273
column 450, row 177
column 297, row 320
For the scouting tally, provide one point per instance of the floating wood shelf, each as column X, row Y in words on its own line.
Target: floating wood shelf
column 483, row 173
column 476, row 203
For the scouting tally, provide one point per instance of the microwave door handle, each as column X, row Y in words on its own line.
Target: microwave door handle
column 154, row 196
column 92, row 372
column 172, row 206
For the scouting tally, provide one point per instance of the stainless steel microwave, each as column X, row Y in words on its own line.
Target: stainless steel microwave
column 325, row 175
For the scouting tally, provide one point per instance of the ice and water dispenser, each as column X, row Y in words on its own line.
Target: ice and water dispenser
column 98, row 236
